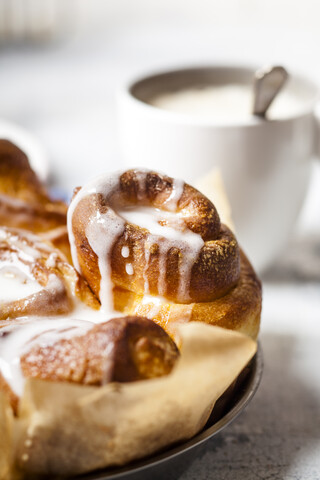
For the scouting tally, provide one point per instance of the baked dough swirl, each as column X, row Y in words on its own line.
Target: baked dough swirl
column 185, row 255
column 124, row 349
column 239, row 309
column 24, row 201
column 26, row 259
column 160, row 245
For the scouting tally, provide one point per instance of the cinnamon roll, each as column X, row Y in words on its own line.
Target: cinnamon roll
column 36, row 279
column 143, row 244
column 24, row 201
column 148, row 239
column 121, row 350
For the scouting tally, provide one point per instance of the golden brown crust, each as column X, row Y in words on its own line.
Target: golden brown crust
column 59, row 238
column 60, row 282
column 24, row 202
column 214, row 272
column 12, row 397
column 123, row 349
column 240, row 309
column 149, row 188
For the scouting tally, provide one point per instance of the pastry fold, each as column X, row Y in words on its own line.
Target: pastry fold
column 125, row 349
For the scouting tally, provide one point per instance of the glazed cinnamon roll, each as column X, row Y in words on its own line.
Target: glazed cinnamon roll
column 36, row 279
column 153, row 240
column 140, row 242
column 24, row 201
column 121, row 350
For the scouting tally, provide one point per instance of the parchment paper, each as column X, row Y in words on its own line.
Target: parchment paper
column 66, row 429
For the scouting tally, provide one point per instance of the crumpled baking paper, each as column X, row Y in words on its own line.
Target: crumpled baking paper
column 67, row 429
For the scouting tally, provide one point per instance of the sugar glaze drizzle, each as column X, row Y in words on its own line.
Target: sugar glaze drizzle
column 102, row 233
column 172, row 234
column 17, row 281
column 18, row 339
column 167, row 230
column 104, row 230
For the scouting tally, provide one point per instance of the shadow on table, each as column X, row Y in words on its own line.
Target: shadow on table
column 299, row 263
column 275, row 436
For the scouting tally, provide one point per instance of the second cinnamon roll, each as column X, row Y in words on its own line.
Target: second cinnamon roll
column 36, row 279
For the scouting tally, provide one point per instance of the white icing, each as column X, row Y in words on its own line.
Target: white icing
column 16, row 284
column 155, row 303
column 104, row 230
column 153, row 311
column 173, row 233
column 176, row 193
column 102, row 233
column 84, row 312
column 29, row 246
column 54, row 283
column 149, row 217
column 129, row 269
column 26, row 252
column 125, row 252
column 141, row 178
column 16, row 278
column 14, row 203
column 21, row 338
column 157, row 300
column 104, row 184
column 52, row 260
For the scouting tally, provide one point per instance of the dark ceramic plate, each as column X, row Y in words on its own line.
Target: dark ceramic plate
column 172, row 462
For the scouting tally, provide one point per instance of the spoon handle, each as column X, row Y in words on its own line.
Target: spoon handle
column 268, row 82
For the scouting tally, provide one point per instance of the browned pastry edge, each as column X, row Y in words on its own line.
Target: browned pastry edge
column 24, row 202
column 12, row 397
column 215, row 271
column 125, row 349
column 59, row 238
column 239, row 310
column 49, row 265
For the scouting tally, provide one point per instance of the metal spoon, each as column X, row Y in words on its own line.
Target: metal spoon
column 268, row 82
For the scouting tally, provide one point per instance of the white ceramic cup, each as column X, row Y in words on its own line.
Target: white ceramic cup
column 265, row 164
